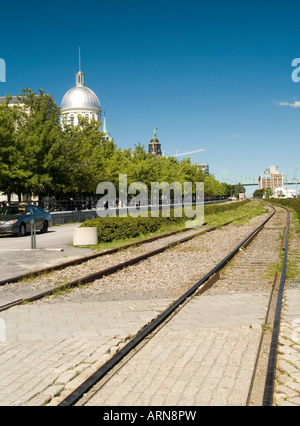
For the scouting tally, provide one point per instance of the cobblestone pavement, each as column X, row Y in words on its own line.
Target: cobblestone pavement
column 203, row 356
column 187, row 364
column 287, row 389
column 211, row 365
column 48, row 349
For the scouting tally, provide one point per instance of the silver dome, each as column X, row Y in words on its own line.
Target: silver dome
column 80, row 97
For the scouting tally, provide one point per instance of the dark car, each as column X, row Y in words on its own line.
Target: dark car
column 17, row 219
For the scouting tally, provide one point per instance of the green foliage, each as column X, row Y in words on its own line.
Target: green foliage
column 290, row 203
column 13, row 167
column 260, row 193
column 234, row 190
column 219, row 208
column 39, row 157
column 120, row 228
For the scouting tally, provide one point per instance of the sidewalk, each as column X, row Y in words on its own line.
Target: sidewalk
column 16, row 257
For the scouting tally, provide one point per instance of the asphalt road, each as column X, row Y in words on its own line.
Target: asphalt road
column 16, row 256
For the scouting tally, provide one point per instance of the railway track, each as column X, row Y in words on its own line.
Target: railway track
column 87, row 278
column 84, row 259
column 95, row 384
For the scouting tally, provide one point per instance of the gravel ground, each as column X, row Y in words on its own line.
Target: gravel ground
column 254, row 268
column 168, row 274
column 31, row 286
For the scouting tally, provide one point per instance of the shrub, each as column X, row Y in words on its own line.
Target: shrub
column 119, row 228
column 292, row 203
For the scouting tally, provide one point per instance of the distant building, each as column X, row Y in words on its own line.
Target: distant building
column 203, row 166
column 154, row 145
column 284, row 193
column 271, row 179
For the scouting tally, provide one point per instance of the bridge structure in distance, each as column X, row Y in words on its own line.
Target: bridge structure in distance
column 231, row 178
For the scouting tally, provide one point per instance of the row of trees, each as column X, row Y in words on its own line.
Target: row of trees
column 38, row 156
column 263, row 193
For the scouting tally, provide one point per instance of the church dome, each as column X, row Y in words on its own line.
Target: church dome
column 80, row 97
column 80, row 101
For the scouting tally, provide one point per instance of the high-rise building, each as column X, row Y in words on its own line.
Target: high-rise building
column 271, row 178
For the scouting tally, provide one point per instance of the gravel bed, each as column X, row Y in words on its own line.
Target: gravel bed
column 253, row 269
column 31, row 286
column 168, row 274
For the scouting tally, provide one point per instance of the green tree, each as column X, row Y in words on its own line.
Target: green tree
column 13, row 165
column 213, row 188
column 38, row 156
column 258, row 193
column 43, row 145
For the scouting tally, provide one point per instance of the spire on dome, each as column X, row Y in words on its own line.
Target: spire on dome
column 79, row 75
column 79, row 60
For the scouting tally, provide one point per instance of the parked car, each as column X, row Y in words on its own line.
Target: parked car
column 17, row 219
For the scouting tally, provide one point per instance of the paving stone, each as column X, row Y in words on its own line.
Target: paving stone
column 220, row 366
column 54, row 357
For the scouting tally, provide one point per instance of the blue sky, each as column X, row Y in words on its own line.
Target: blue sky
column 210, row 75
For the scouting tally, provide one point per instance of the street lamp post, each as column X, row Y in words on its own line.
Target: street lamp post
column 296, row 181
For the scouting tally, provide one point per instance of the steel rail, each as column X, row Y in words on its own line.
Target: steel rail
column 76, row 395
column 112, row 269
column 271, row 369
column 108, row 271
column 84, row 259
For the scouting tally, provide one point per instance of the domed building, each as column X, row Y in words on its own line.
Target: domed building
column 80, row 101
